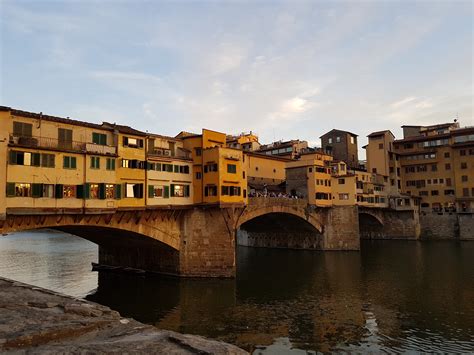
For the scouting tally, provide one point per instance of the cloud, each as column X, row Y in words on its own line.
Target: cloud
column 402, row 102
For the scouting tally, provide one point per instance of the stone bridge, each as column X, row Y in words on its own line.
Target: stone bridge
column 200, row 241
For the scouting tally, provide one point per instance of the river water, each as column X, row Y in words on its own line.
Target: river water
column 393, row 296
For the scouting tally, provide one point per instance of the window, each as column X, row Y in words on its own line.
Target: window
column 18, row 189
column 198, row 175
column 338, row 139
column 47, row 190
column 134, row 190
column 68, row 191
column 99, row 138
column 110, row 164
column 21, row 129
column 95, row 163
column 464, row 178
column 69, row 162
column 230, row 191
column 343, row 196
column 434, row 193
column 446, row 155
column 231, row 168
column 109, row 191
column 329, row 140
column 447, row 166
column 183, row 169
column 132, row 142
column 243, row 174
column 24, row 158
column 168, row 168
column 352, row 140
column 462, row 152
column 156, row 191
column 465, row 192
column 448, row 181
column 94, row 191
column 463, row 165
column 423, row 193
column 176, row 168
column 210, row 168
column 434, row 167
column 198, row 152
column 210, row 190
column 380, row 145
column 341, row 181
column 179, row 190
column 65, row 138
column 47, row 160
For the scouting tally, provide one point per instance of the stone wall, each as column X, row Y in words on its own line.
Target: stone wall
column 284, row 240
column 466, row 226
column 341, row 229
column 439, row 225
column 207, row 244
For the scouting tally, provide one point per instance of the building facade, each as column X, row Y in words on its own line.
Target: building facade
column 342, row 145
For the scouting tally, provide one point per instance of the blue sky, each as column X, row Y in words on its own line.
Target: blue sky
column 283, row 69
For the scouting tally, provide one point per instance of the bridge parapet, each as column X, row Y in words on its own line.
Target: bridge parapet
column 277, row 201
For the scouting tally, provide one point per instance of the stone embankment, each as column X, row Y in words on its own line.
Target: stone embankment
column 35, row 320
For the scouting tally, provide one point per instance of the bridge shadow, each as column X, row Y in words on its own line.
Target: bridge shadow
column 279, row 230
column 370, row 227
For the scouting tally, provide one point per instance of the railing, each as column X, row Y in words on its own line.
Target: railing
column 53, row 143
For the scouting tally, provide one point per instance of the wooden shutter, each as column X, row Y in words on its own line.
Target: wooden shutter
column 35, row 159
column 12, row 157
column 10, row 189
column 37, row 190
column 58, row 191
column 73, row 163
column 166, row 190
column 118, row 191
column 151, row 191
column 80, row 191
column 102, row 191
column 87, row 190
column 125, row 141
column 172, row 190
column 176, row 168
column 186, row 190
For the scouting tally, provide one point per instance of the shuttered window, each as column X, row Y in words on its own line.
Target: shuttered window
column 21, row 129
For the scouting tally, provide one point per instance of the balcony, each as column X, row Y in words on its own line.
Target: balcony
column 56, row 144
column 163, row 152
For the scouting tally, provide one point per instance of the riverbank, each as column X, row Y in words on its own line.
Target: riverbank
column 37, row 320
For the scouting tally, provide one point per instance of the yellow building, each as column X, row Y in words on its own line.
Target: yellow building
column 169, row 172
column 432, row 163
column 265, row 172
column 219, row 172
column 245, row 141
column 56, row 163
column 310, row 178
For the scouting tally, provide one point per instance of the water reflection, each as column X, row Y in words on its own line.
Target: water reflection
column 392, row 296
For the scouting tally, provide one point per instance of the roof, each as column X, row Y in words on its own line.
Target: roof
column 266, row 156
column 340, row 131
column 41, row 116
column 124, row 129
column 380, row 133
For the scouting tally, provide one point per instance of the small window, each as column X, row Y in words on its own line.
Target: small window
column 110, row 164
column 21, row 129
column 380, row 145
column 231, row 168
column 446, row 154
column 341, row 181
column 338, row 139
column 198, row 175
column 69, row 162
column 352, row 140
column 99, row 138
column 464, row 178
column 95, row 163
column 463, row 165
column 198, row 152
column 69, row 191
column 329, row 140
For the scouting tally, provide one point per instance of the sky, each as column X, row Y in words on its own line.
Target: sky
column 282, row 69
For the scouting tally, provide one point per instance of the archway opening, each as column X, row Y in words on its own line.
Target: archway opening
column 279, row 230
column 126, row 249
column 370, row 227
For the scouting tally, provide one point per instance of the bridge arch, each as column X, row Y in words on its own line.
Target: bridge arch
column 371, row 225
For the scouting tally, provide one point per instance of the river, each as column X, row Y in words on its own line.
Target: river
column 393, row 296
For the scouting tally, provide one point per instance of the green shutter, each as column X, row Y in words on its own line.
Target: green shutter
column 113, row 163
column 166, row 192
column 80, row 191
column 58, row 191
column 12, row 157
column 176, row 168
column 172, row 190
column 118, row 191
column 35, row 159
column 151, row 191
column 66, row 163
column 103, row 139
column 186, row 190
column 10, row 189
column 95, row 138
column 73, row 163
column 107, row 163
column 102, row 191
column 37, row 190
column 87, row 190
